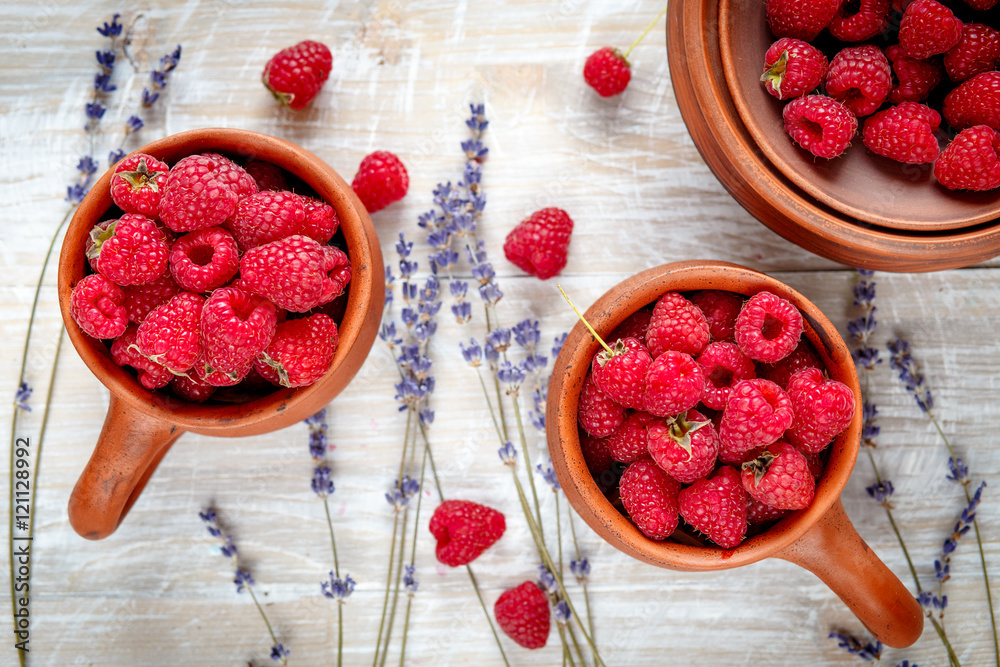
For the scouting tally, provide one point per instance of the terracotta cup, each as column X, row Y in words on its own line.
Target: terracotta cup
column 819, row 538
column 141, row 425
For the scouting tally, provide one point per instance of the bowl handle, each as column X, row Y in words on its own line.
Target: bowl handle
column 834, row 552
column 128, row 450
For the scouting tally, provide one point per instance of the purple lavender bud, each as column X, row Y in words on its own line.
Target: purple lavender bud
column 22, row 395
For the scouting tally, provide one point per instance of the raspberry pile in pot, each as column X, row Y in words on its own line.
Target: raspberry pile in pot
column 214, row 275
column 709, row 415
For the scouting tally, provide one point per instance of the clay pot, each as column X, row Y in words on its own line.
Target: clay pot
column 820, row 538
column 141, row 425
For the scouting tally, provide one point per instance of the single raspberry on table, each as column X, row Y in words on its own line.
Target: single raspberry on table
column 974, row 102
column 971, row 161
column 768, row 327
column 380, row 181
column 676, row 324
column 97, row 305
column 607, row 71
column 295, row 273
column 633, row 326
column 523, row 614
column 860, row 21
column 124, row 352
column 820, row 124
column 779, row 476
column 300, row 351
column 539, row 244
column 295, row 75
column 266, row 175
column 724, row 365
column 759, row 513
column 792, row 68
column 674, row 383
column 649, row 495
column 191, row 388
column 977, row 51
column 720, row 309
column 627, row 443
column 803, row 356
column 169, row 334
column 204, row 259
column 464, row 530
column 197, row 194
column 137, row 184
column 917, row 78
column 129, row 251
column 717, row 507
column 686, row 447
column 823, row 408
column 757, row 413
column 860, row 77
column 268, row 216
column 596, row 453
column 904, row 133
column 141, row 299
column 802, row 19
column 927, row 29
column 621, row 372
column 597, row 413
column 236, row 326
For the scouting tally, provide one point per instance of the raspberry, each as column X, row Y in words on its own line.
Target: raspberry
column 815, row 461
column 757, row 413
column 717, row 507
column 236, row 176
column 141, row 299
column 779, row 476
column 860, row 77
column 627, row 443
column 977, row 51
column 917, row 78
column 724, row 365
column 981, row 5
column 97, row 306
column 974, row 102
column 151, row 375
column 268, row 216
column 129, row 251
column 802, row 19
column 821, row 125
column 597, row 413
column 720, row 310
column 236, row 326
column 758, row 513
column 595, row 453
column 197, row 195
column 823, row 408
column 204, row 259
column 649, row 495
column 523, row 614
column 792, row 68
column 633, row 326
column 870, row 18
column 676, row 324
column 137, row 184
column 205, row 374
column 463, row 530
column 685, row 447
column 971, row 161
column 300, row 351
column 620, row 373
column 674, row 383
column 904, row 133
column 380, row 181
column 607, row 71
column 321, row 220
column 266, row 175
column 538, row 245
column 169, row 334
column 295, row 273
column 191, row 389
column 768, row 327
column 295, row 75
column 803, row 356
column 927, row 29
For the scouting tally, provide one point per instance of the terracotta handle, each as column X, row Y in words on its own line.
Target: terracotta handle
column 834, row 552
column 130, row 447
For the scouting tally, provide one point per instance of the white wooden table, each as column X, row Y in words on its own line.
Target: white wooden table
column 158, row 593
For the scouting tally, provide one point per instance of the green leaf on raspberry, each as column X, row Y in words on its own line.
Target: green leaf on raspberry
column 99, row 234
column 278, row 368
column 776, row 73
column 681, row 430
column 142, row 177
column 759, row 466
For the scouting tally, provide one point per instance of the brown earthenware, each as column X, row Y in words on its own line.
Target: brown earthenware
column 141, row 425
column 819, row 538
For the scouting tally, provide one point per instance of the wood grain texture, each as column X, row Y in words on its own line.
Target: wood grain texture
column 158, row 593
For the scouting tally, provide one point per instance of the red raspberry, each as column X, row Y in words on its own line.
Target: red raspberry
column 295, row 273
column 321, row 220
column 870, row 18
column 971, row 161
column 904, row 133
column 802, row 19
column 927, row 29
column 674, row 383
column 758, row 513
column 768, row 327
column 974, row 102
column 676, row 324
column 717, row 507
column 169, row 334
column 686, row 447
column 380, row 181
column 463, row 530
column 205, row 374
column 141, row 299
column 595, row 453
column 204, row 259
column 720, row 310
column 634, row 326
column 597, row 413
column 757, row 413
column 523, row 614
column 917, row 78
column 821, row 125
column 803, row 356
column 268, row 216
column 97, row 306
column 724, row 365
column 627, row 443
column 620, row 374
column 792, row 68
column 981, row 5
column 151, row 375
column 539, row 244
column 978, row 51
column 197, row 195
column 191, row 389
column 816, row 463
column 300, row 351
column 860, row 77
column 823, row 408
column 266, row 175
column 295, row 75
column 236, row 176
column 649, row 495
column 129, row 251
column 607, row 71
column 137, row 184
column 779, row 476
column 236, row 326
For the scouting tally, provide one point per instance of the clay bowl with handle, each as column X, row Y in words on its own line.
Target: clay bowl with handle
column 141, row 425
column 819, row 538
